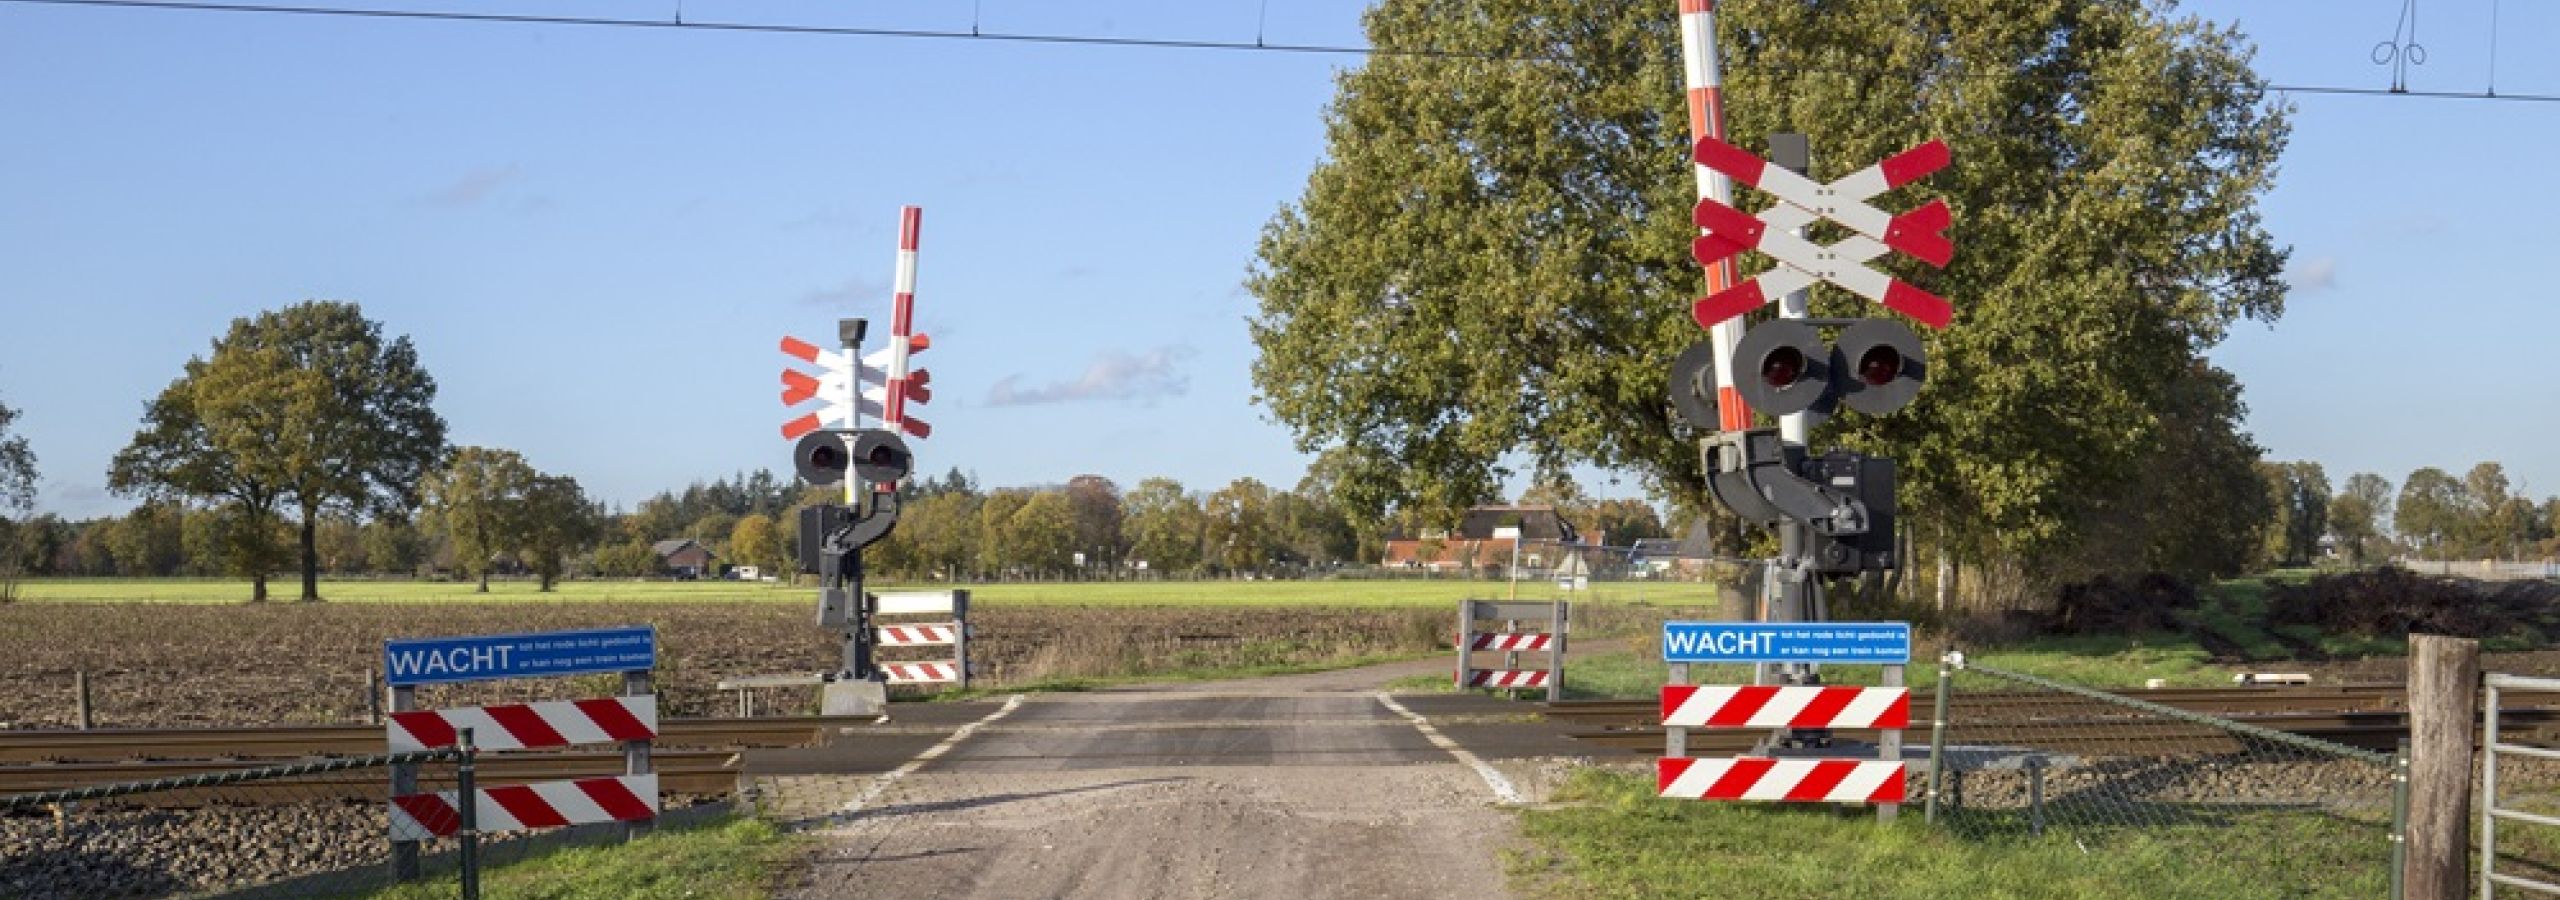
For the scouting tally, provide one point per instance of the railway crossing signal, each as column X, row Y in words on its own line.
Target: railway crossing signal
column 834, row 447
column 1919, row 233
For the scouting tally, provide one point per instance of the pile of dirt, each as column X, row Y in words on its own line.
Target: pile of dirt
column 2392, row 602
column 2131, row 605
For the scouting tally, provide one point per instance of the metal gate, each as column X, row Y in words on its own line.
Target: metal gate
column 2490, row 810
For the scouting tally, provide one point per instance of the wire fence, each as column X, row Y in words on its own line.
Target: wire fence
column 317, row 828
column 2022, row 758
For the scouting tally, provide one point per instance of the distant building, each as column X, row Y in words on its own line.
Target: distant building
column 1546, row 541
column 683, row 558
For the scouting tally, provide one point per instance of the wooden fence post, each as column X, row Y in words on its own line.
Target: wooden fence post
column 2444, row 690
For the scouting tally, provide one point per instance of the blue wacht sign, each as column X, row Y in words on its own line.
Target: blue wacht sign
column 1874, row 643
column 415, row 661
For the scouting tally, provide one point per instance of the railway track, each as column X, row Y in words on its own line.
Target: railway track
column 2370, row 717
column 691, row 756
column 300, row 741
column 679, row 772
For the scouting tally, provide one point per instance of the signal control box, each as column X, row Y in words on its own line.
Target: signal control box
column 1871, row 480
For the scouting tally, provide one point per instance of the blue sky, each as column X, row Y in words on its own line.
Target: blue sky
column 596, row 236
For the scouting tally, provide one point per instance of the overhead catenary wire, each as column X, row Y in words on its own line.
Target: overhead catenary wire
column 975, row 33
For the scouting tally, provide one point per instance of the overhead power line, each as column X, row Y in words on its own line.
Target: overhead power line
column 679, row 24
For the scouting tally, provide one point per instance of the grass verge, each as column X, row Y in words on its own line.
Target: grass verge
column 737, row 859
column 1615, row 839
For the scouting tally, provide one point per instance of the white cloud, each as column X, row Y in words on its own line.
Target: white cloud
column 2318, row 273
column 1114, row 375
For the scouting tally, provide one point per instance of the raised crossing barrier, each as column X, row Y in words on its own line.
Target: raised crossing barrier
column 1544, row 635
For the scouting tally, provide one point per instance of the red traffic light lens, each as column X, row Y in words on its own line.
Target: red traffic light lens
column 1782, row 367
column 1880, row 365
column 828, row 458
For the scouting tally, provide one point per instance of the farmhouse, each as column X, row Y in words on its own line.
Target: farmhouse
column 683, row 558
column 1545, row 540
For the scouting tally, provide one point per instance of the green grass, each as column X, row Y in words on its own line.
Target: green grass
column 732, row 860
column 1381, row 593
column 1614, row 839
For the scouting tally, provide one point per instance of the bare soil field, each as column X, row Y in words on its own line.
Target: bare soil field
column 200, row 665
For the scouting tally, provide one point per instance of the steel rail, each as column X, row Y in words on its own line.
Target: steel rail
column 2217, row 701
column 294, row 741
column 680, row 772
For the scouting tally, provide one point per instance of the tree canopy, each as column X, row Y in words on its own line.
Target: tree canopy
column 308, row 407
column 17, row 495
column 1491, row 261
column 477, row 502
column 555, row 520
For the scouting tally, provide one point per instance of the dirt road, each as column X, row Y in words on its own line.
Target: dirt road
column 1297, row 786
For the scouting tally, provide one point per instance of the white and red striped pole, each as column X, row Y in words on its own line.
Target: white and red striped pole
column 1706, row 119
column 902, row 320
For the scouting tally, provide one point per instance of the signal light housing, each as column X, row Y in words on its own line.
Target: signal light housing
column 873, row 456
column 1693, row 386
column 1881, row 365
column 1782, row 367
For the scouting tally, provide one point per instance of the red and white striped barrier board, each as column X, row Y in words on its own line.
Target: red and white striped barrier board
column 921, row 673
column 1788, row 780
column 1507, row 678
column 918, row 635
column 521, row 726
column 1919, row 232
column 1789, row 706
column 550, row 804
column 1522, row 641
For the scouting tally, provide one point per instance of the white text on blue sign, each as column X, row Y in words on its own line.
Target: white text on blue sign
column 1810, row 642
column 484, row 657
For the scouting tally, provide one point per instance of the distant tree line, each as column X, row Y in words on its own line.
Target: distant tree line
column 2433, row 516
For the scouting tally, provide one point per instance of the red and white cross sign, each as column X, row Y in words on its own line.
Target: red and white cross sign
column 885, row 383
column 1919, row 232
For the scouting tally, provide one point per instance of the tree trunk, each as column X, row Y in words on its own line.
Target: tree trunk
column 258, row 588
column 310, row 555
column 1946, row 577
column 484, row 577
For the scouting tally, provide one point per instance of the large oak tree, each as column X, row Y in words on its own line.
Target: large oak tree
column 307, row 408
column 1490, row 263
